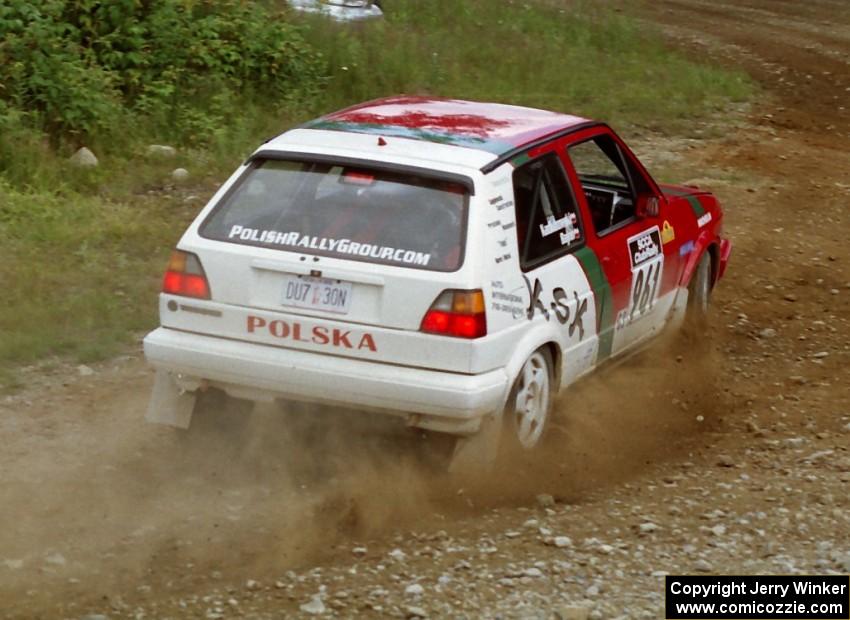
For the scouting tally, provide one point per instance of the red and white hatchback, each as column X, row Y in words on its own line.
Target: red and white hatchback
column 450, row 262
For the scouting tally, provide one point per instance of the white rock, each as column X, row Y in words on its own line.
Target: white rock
column 533, row 572
column 648, row 528
column 767, row 332
column 544, row 500
column 724, row 460
column 57, row 559
column 161, row 150
column 314, row 607
column 718, row 530
column 251, row 584
column 703, row 566
column 414, row 589
column 398, row 555
column 359, row 551
column 563, row 541
column 411, row 611
column 13, row 564
column 84, row 158
column 179, row 174
column 84, row 371
column 572, row 613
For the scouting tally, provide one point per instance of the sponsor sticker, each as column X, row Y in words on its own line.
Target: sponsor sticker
column 668, row 233
column 645, row 246
column 703, row 220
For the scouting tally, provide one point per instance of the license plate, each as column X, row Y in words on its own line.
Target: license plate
column 317, row 294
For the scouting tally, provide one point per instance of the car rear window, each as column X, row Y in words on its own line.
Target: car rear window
column 350, row 212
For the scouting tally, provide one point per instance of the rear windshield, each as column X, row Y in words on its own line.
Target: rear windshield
column 394, row 218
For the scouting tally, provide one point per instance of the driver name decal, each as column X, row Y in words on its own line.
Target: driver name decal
column 567, row 224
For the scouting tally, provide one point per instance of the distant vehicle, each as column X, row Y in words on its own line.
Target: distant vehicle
column 457, row 264
column 340, row 10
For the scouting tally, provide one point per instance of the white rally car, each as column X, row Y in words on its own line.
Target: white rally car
column 454, row 263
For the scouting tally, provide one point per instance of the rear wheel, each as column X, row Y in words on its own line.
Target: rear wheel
column 530, row 404
column 519, row 429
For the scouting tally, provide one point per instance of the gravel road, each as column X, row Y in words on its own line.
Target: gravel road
column 726, row 454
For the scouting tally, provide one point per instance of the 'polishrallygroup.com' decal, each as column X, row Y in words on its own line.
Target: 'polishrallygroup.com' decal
column 296, row 240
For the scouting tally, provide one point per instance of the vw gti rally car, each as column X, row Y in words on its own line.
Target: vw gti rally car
column 451, row 262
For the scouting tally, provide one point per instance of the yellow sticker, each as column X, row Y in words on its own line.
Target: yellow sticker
column 668, row 233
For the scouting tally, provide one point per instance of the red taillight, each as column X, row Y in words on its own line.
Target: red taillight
column 185, row 276
column 457, row 313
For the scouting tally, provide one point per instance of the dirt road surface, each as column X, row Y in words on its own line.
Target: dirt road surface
column 728, row 457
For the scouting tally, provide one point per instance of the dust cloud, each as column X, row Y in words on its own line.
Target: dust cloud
column 112, row 505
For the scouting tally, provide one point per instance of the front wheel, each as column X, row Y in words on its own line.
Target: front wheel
column 699, row 292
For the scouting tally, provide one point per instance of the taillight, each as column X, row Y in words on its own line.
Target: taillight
column 185, row 276
column 457, row 313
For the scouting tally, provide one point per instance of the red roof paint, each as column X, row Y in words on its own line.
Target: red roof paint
column 491, row 126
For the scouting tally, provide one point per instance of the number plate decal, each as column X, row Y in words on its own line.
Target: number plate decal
column 647, row 258
column 317, row 294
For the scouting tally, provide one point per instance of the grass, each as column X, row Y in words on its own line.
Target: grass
column 578, row 59
column 81, row 251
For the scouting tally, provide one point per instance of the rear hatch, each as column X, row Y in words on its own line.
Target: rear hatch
column 339, row 257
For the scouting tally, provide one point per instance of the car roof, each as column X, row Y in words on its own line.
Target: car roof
column 492, row 128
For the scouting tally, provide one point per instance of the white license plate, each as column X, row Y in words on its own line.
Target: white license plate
column 317, row 294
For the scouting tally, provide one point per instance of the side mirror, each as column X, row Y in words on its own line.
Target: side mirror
column 648, row 206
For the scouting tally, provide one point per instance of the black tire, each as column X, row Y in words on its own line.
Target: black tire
column 699, row 293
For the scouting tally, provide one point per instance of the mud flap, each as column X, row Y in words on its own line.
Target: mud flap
column 477, row 453
column 170, row 404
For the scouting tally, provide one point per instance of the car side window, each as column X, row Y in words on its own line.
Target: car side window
column 607, row 181
column 548, row 223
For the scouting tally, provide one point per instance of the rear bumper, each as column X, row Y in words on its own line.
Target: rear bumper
column 431, row 399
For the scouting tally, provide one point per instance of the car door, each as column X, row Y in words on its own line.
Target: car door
column 550, row 233
column 628, row 233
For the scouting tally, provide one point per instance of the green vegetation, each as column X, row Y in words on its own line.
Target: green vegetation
column 81, row 250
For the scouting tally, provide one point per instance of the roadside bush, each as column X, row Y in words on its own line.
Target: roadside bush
column 88, row 70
